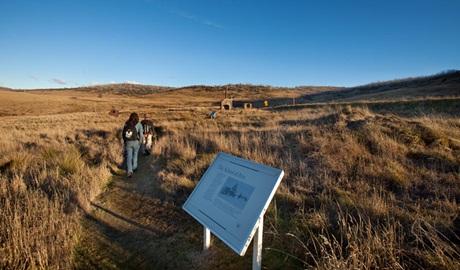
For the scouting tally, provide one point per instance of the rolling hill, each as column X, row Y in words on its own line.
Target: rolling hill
column 445, row 84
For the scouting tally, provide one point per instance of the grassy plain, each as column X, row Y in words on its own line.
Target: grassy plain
column 365, row 186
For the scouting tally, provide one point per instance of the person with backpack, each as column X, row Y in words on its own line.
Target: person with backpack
column 132, row 135
column 149, row 133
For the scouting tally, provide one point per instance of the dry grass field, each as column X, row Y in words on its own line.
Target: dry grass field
column 369, row 184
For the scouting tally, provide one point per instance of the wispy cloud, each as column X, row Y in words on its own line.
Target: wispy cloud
column 58, row 81
column 197, row 19
column 34, row 78
column 167, row 6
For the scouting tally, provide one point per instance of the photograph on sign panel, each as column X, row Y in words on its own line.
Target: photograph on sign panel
column 236, row 193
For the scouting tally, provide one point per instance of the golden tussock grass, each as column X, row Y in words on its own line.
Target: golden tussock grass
column 51, row 167
column 362, row 190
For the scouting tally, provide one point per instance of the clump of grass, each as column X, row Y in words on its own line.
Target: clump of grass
column 36, row 229
column 434, row 249
column 360, row 245
column 46, row 183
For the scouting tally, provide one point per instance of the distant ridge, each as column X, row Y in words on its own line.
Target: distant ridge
column 126, row 89
column 5, row 88
column 115, row 88
column 444, row 84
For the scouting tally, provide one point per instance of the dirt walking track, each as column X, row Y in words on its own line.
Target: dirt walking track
column 131, row 227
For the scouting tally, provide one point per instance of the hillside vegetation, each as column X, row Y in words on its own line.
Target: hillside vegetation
column 369, row 184
column 361, row 191
column 444, row 84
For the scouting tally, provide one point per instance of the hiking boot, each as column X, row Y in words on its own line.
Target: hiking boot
column 129, row 174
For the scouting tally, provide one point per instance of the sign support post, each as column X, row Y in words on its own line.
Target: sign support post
column 207, row 239
column 257, row 246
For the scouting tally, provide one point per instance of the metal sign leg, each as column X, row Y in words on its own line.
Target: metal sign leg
column 207, row 239
column 257, row 245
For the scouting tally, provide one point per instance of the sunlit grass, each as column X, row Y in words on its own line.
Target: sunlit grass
column 47, row 179
column 362, row 190
column 356, row 183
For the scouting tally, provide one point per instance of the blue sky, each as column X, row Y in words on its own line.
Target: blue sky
column 71, row 43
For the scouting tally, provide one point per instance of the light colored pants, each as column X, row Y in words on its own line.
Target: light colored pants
column 131, row 152
column 147, row 144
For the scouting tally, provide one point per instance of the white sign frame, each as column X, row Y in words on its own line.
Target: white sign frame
column 231, row 199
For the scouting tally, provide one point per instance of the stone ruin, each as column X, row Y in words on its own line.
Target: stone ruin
column 226, row 103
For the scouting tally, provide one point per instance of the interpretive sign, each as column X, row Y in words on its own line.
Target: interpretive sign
column 231, row 197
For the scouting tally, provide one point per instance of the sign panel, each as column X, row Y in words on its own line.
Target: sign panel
column 231, row 197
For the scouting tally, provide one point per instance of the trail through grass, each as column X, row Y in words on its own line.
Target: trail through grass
column 131, row 227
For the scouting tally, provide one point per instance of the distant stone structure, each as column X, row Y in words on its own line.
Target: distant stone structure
column 226, row 103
